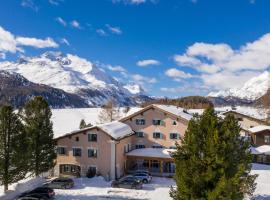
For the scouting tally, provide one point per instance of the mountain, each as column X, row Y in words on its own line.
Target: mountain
column 16, row 90
column 74, row 75
column 252, row 90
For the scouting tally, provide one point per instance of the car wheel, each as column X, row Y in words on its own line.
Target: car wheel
column 145, row 181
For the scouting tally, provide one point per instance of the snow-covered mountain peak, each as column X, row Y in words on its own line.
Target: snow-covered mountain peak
column 251, row 90
column 73, row 74
column 68, row 72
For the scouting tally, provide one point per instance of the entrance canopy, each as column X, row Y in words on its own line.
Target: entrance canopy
column 152, row 153
column 264, row 149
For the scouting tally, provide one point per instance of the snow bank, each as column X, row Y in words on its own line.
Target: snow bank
column 20, row 187
column 152, row 152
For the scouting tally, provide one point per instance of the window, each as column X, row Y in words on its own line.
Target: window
column 92, row 137
column 140, row 146
column 139, row 134
column 77, row 152
column 92, row 153
column 157, row 122
column 126, row 148
column 140, row 121
column 61, row 150
column 240, row 119
column 173, row 147
column 77, row 139
column 174, row 136
column 157, row 135
column 267, row 138
column 174, row 123
column 157, row 146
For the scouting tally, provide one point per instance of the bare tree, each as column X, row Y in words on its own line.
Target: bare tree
column 109, row 112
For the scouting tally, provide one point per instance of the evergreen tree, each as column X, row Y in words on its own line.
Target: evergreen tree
column 13, row 148
column 213, row 162
column 82, row 124
column 36, row 115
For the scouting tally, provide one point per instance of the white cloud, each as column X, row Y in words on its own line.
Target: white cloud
column 117, row 68
column 65, row 41
column 61, row 21
column 11, row 43
column 55, row 2
column 221, row 66
column 175, row 73
column 101, row 32
column 136, row 2
column 37, row 43
column 143, row 79
column 114, row 30
column 225, row 80
column 75, row 24
column 29, row 4
column 143, row 63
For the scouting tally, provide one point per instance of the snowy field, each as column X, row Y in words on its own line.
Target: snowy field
column 98, row 189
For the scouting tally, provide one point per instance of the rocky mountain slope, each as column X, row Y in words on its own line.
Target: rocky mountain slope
column 77, row 76
column 16, row 90
column 251, row 92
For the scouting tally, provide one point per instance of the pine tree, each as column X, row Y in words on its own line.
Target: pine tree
column 13, row 148
column 36, row 115
column 213, row 162
column 82, row 124
column 109, row 112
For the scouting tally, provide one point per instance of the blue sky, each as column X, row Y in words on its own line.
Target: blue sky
column 171, row 47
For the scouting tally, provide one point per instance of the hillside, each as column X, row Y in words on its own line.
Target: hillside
column 189, row 102
column 77, row 76
column 15, row 90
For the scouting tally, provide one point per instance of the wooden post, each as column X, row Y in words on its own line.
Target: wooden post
column 161, row 167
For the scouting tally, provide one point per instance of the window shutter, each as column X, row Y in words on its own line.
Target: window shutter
column 178, row 136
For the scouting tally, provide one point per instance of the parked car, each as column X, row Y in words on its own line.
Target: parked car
column 129, row 182
column 43, row 191
column 60, row 183
column 142, row 171
column 33, row 197
column 144, row 177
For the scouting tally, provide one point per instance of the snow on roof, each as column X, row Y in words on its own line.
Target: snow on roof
column 151, row 152
column 264, row 149
column 259, row 128
column 116, row 129
column 174, row 110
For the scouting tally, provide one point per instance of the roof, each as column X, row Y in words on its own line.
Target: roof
column 173, row 110
column 152, row 153
column 257, row 118
column 116, row 129
column 259, row 128
column 264, row 149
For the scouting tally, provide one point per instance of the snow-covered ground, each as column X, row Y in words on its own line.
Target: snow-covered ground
column 98, row 189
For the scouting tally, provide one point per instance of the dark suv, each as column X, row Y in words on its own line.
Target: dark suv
column 60, row 183
column 129, row 182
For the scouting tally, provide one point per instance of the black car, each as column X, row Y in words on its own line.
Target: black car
column 33, row 197
column 129, row 182
column 44, row 191
column 60, row 183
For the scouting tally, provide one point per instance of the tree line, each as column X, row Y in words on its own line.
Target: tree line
column 26, row 141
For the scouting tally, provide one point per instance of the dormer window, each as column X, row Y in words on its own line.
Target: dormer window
column 174, row 123
column 140, row 121
column 157, row 122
